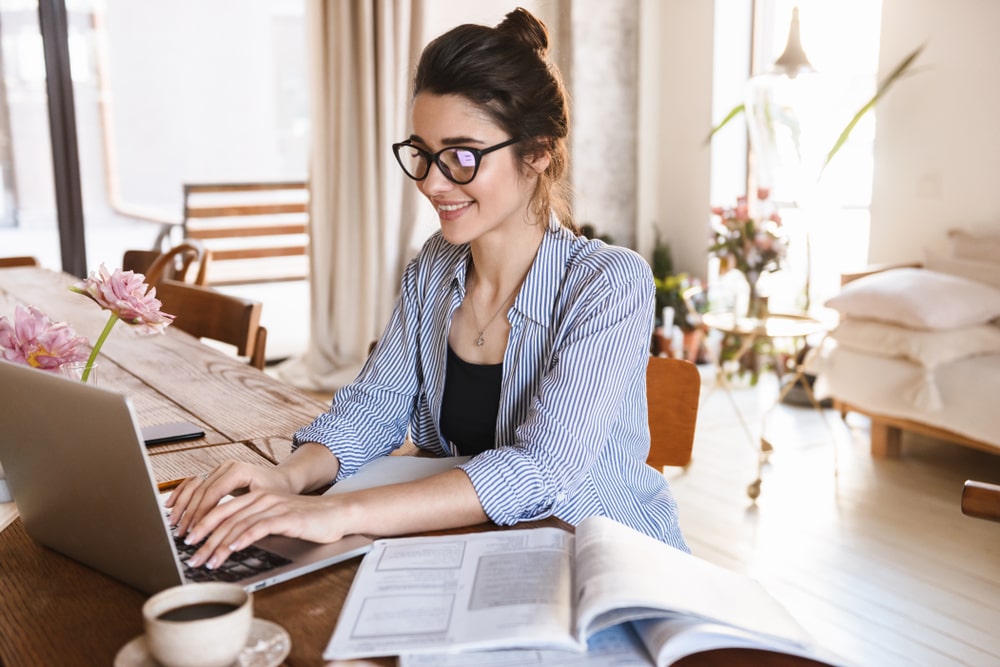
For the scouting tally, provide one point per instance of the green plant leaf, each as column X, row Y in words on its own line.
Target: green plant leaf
column 882, row 89
column 734, row 112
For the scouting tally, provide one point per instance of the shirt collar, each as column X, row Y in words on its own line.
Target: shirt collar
column 534, row 301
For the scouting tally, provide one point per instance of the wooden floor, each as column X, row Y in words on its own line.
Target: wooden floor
column 873, row 557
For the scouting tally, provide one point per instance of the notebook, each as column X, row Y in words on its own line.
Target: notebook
column 79, row 472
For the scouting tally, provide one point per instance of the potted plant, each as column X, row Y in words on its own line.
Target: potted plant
column 678, row 292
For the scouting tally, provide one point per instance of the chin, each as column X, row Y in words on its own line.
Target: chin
column 456, row 233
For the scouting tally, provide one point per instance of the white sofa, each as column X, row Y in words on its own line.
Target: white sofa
column 918, row 347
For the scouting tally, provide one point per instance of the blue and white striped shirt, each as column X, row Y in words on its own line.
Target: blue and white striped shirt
column 572, row 434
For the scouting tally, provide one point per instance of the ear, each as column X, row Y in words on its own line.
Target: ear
column 539, row 162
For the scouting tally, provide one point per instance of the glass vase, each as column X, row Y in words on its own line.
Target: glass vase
column 77, row 369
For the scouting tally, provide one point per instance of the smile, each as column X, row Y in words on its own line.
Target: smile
column 452, row 207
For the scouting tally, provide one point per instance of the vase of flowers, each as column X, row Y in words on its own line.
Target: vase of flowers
column 34, row 340
column 749, row 238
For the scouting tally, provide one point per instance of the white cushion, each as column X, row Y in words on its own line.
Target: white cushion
column 919, row 299
column 927, row 348
column 971, row 269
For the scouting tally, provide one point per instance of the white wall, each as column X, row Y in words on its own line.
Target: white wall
column 675, row 115
column 937, row 149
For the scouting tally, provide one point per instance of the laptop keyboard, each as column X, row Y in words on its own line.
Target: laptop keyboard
column 240, row 564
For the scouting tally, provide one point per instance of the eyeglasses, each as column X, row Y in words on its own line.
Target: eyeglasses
column 459, row 164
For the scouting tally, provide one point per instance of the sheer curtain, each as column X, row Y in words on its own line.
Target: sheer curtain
column 363, row 214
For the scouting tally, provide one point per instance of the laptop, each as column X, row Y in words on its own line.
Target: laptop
column 76, row 464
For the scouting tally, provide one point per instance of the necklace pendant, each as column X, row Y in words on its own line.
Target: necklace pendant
column 479, row 341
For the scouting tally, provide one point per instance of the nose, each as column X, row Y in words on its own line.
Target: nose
column 435, row 182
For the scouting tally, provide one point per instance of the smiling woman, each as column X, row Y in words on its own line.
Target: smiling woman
column 547, row 396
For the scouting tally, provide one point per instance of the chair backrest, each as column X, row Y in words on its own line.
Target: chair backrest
column 256, row 232
column 174, row 264
column 673, row 388
column 206, row 313
column 11, row 262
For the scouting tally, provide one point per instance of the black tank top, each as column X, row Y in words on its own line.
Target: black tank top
column 470, row 404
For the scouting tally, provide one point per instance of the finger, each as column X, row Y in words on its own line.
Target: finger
column 206, row 525
column 180, row 499
column 231, row 520
column 206, row 495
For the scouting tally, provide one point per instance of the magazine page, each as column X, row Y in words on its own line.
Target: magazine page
column 459, row 592
column 676, row 638
column 623, row 574
column 615, row 647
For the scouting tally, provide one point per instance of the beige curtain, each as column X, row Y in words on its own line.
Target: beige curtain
column 363, row 214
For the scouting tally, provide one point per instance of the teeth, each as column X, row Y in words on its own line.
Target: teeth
column 451, row 207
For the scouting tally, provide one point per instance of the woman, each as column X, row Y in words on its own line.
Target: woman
column 515, row 340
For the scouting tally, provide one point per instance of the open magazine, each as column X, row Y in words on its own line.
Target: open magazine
column 604, row 596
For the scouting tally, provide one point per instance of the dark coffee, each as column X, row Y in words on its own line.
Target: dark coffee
column 197, row 611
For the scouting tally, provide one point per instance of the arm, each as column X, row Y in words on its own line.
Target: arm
column 446, row 500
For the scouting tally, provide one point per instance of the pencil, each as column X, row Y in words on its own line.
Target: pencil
column 167, row 486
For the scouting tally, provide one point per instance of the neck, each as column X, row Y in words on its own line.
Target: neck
column 499, row 268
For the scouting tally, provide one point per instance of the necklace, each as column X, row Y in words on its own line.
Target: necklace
column 480, row 341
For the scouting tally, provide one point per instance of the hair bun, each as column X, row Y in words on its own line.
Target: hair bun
column 523, row 26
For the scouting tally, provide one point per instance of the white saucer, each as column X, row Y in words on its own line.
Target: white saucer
column 267, row 646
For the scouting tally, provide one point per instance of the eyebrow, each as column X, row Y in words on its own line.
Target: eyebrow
column 449, row 141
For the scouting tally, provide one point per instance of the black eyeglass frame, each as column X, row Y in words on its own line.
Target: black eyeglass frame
column 435, row 158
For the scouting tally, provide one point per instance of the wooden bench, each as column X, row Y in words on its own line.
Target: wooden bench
column 254, row 232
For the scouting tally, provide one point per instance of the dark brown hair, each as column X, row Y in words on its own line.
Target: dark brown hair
column 506, row 72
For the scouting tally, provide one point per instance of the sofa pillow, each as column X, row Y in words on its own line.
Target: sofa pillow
column 919, row 299
column 927, row 348
column 979, row 246
column 981, row 272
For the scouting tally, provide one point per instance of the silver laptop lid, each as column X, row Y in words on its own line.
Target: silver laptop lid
column 78, row 470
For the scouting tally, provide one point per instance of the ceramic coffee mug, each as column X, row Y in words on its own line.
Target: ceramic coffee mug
column 198, row 625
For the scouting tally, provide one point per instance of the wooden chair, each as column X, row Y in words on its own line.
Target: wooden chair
column 981, row 500
column 173, row 264
column 207, row 313
column 11, row 262
column 256, row 232
column 673, row 389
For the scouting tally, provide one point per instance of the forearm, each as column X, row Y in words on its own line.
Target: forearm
column 444, row 501
column 309, row 467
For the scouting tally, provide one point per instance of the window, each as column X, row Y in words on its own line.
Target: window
column 827, row 210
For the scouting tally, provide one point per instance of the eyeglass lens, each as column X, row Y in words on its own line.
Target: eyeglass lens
column 457, row 164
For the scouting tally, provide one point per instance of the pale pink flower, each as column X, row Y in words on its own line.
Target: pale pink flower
column 126, row 295
column 35, row 340
column 129, row 299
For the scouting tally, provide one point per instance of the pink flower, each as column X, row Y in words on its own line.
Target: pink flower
column 129, row 299
column 125, row 294
column 34, row 340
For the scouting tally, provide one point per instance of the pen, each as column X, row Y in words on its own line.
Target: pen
column 167, row 486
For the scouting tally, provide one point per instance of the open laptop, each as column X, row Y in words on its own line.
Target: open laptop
column 77, row 467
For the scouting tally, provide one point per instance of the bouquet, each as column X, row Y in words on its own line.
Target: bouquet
column 751, row 244
column 35, row 340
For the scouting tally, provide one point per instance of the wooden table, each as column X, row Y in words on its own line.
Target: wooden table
column 54, row 611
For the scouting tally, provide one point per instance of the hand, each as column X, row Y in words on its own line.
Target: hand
column 197, row 496
column 240, row 522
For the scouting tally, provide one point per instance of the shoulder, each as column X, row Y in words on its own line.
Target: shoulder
column 594, row 260
column 436, row 260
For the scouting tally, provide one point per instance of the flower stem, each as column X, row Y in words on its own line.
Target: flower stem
column 97, row 346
